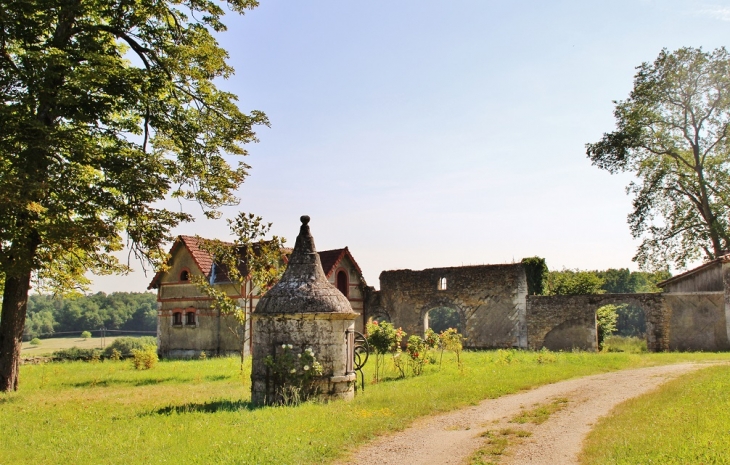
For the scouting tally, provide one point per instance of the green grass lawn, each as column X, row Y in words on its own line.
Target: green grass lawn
column 685, row 421
column 198, row 411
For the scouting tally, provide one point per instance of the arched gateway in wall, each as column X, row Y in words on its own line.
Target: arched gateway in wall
column 565, row 322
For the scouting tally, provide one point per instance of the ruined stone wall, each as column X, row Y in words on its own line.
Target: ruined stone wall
column 569, row 322
column 490, row 300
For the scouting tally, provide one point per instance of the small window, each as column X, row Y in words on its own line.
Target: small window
column 177, row 318
column 190, row 318
column 442, row 284
column 185, row 275
column 342, row 284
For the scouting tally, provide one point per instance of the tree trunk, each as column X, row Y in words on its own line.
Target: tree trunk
column 14, row 306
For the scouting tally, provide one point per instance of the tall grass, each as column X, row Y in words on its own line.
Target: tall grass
column 628, row 344
column 685, row 421
column 199, row 411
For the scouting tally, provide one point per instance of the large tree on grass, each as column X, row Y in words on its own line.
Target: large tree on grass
column 108, row 107
column 672, row 134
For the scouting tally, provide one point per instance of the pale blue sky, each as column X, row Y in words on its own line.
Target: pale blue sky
column 425, row 134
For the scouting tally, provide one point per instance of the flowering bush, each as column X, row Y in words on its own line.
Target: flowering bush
column 418, row 350
column 294, row 376
column 383, row 338
column 450, row 339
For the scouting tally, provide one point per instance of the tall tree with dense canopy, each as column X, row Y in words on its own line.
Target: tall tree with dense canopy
column 108, row 107
column 672, row 133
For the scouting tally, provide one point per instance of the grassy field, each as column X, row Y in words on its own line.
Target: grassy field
column 50, row 345
column 686, row 421
column 198, row 411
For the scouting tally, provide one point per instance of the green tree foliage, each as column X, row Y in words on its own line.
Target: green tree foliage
column 120, row 310
column 252, row 264
column 672, row 134
column 606, row 318
column 108, row 107
column 623, row 281
column 536, row 270
column 443, row 318
column 573, row 282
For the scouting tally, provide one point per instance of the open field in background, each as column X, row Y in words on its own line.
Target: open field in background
column 685, row 421
column 198, row 412
column 50, row 345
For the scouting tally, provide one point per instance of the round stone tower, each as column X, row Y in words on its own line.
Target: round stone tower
column 303, row 314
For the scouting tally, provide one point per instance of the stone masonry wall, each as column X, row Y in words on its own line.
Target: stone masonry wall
column 490, row 300
column 567, row 322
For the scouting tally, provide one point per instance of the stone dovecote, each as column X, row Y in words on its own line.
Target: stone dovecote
column 304, row 311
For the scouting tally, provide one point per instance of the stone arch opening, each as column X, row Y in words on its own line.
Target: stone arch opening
column 556, row 322
column 442, row 318
column 631, row 320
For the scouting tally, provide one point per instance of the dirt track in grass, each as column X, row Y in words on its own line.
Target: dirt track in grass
column 453, row 437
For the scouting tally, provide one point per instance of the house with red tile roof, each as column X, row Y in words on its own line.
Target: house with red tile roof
column 187, row 324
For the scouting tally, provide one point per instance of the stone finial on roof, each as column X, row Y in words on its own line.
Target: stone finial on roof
column 304, row 288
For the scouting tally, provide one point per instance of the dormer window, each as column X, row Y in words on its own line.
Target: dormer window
column 184, row 275
column 442, row 284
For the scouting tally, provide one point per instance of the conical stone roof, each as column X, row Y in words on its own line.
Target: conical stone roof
column 304, row 288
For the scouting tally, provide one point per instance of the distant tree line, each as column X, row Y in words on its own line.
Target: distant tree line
column 130, row 311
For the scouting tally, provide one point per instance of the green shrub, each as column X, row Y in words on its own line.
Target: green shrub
column 294, row 378
column 86, row 335
column 606, row 317
column 125, row 345
column 146, row 358
column 115, row 355
column 383, row 338
column 75, row 353
column 35, row 341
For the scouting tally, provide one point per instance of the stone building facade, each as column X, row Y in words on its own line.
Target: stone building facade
column 186, row 323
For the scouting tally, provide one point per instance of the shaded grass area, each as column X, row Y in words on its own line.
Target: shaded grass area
column 198, row 411
column 685, row 421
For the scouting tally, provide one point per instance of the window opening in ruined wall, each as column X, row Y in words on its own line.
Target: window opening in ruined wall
column 442, row 284
column 342, row 283
column 184, row 275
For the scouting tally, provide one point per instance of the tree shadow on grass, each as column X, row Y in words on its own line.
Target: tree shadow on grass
column 119, row 382
column 206, row 407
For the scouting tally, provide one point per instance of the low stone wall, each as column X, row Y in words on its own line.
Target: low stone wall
column 569, row 322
